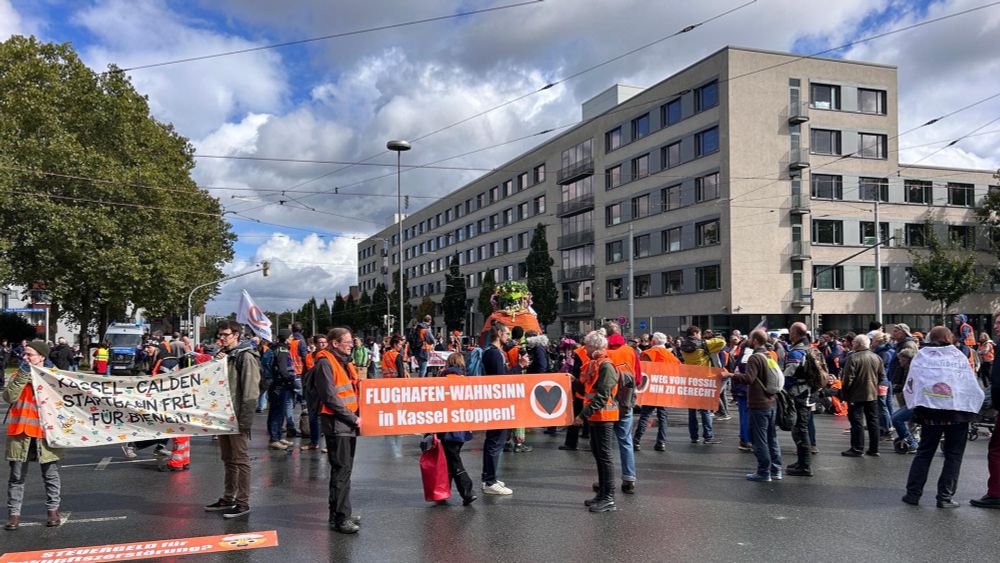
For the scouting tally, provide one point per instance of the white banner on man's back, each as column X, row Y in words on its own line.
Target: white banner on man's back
column 435, row 359
column 940, row 378
column 80, row 410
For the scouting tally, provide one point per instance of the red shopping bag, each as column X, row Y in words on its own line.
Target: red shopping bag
column 434, row 473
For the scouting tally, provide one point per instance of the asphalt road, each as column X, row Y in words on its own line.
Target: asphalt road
column 692, row 503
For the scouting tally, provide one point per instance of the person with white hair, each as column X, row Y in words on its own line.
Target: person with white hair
column 860, row 376
column 600, row 408
column 656, row 353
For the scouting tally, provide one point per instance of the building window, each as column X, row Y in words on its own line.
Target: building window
column 868, row 278
column 614, row 289
column 960, row 194
column 614, row 252
column 523, row 240
column 707, row 233
column 613, row 214
column 508, row 188
column 670, row 155
column 640, row 206
column 613, row 177
column 825, row 96
column 962, row 235
column 672, row 239
column 494, row 221
column 670, row 112
column 494, row 194
column 480, row 200
column 706, row 97
column 670, row 197
column 673, row 282
column 707, row 141
column 578, row 257
column 579, row 153
column 911, row 283
column 613, row 139
column 918, row 191
column 706, row 187
column 872, row 145
column 829, row 278
column 539, row 204
column 523, row 211
column 826, row 186
column 870, row 188
column 581, row 223
column 640, row 167
column 916, row 234
column 640, row 127
column 538, row 173
column 708, row 278
column 640, row 246
column 867, row 232
column 871, row 101
column 827, row 232
column 508, row 245
column 642, row 285
column 825, row 141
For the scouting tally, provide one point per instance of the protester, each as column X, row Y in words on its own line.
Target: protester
column 393, row 363
column 101, row 357
column 336, row 388
column 697, row 352
column 374, row 352
column 423, row 343
column 282, row 390
column 495, row 363
column 26, row 440
column 578, row 363
column 986, row 352
column 763, row 419
column 801, row 366
column 61, row 355
column 904, row 441
column 944, row 400
column 360, row 357
column 738, row 364
column 656, row 353
column 992, row 497
column 885, row 351
column 600, row 384
column 452, row 442
column 860, row 376
column 626, row 360
column 243, row 371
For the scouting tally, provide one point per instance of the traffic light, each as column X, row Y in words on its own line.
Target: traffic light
column 265, row 267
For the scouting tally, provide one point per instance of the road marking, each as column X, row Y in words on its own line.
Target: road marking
column 109, row 463
column 101, row 465
column 65, row 520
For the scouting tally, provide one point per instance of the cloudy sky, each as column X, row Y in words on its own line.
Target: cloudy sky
column 340, row 99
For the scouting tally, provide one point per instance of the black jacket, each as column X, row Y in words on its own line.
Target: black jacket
column 61, row 356
column 495, row 361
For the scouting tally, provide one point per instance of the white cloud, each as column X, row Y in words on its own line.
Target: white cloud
column 10, row 20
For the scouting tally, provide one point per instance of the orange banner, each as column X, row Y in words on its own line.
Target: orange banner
column 147, row 549
column 446, row 404
column 680, row 386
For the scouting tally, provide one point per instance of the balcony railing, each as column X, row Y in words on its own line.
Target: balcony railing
column 576, row 205
column 576, row 274
column 798, row 113
column 577, row 170
column 576, row 239
column 576, row 308
column 798, row 158
column 800, row 297
column 800, row 250
column 800, row 205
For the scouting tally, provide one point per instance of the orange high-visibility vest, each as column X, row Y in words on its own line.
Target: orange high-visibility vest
column 609, row 411
column 513, row 355
column 970, row 338
column 297, row 356
column 986, row 351
column 24, row 415
column 623, row 358
column 660, row 355
column 581, row 356
column 389, row 359
column 343, row 382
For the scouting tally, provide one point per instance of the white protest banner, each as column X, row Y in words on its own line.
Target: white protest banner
column 80, row 410
column 940, row 377
column 435, row 359
column 250, row 314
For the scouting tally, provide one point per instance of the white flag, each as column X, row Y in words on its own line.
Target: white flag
column 250, row 314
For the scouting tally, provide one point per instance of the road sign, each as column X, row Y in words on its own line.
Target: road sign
column 622, row 321
column 643, row 325
column 23, row 310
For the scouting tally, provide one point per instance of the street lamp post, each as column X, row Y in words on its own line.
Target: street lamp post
column 398, row 146
column 264, row 267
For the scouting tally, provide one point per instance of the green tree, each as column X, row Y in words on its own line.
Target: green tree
column 380, row 299
column 78, row 151
column 365, row 312
column 351, row 312
column 988, row 214
column 338, row 311
column 485, row 293
column 544, row 295
column 307, row 314
column 427, row 307
column 323, row 317
column 453, row 302
column 945, row 273
column 13, row 328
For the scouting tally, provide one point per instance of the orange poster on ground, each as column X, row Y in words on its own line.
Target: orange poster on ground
column 445, row 404
column 147, row 549
column 679, row 386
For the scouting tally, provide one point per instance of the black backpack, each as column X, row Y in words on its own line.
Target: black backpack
column 309, row 377
column 416, row 344
column 786, row 414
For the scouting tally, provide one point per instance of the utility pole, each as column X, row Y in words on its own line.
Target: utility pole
column 878, row 260
column 817, row 272
column 631, row 278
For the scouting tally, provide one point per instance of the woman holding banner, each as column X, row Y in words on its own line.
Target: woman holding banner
column 452, row 442
column 600, row 383
column 26, row 440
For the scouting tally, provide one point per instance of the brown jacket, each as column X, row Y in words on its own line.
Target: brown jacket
column 754, row 379
column 861, row 374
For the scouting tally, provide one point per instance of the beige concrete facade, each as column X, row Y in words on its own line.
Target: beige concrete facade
column 732, row 114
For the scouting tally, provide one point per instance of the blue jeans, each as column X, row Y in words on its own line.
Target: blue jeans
column 706, row 421
column 723, row 409
column 741, row 403
column 661, row 422
column 623, row 431
column 423, row 368
column 314, row 428
column 885, row 413
column 492, row 447
column 763, row 427
column 900, row 418
column 262, row 401
column 281, row 402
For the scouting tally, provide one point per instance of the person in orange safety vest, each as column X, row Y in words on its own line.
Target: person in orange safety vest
column 600, row 409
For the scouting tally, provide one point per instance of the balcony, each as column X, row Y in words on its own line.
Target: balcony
column 800, row 205
column 798, row 113
column 576, row 239
column 576, row 205
column 798, row 159
column 800, row 250
column 577, row 170
column 576, row 309
column 800, row 297
column 576, row 274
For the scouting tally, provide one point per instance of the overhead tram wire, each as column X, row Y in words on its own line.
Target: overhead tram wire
column 330, row 36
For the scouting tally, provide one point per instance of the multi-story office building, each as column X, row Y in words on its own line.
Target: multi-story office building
column 730, row 183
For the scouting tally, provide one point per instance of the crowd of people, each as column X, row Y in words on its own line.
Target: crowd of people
column 777, row 379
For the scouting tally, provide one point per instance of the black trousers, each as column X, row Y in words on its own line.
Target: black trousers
column 340, row 452
column 456, row 470
column 867, row 410
column 955, row 438
column 573, row 432
column 602, row 442
column 800, row 434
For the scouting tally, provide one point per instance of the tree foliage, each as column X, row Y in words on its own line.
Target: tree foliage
column 454, row 296
column 13, row 328
column 988, row 214
column 486, row 293
column 380, row 297
column 63, row 128
column 945, row 273
column 427, row 307
column 323, row 317
column 544, row 295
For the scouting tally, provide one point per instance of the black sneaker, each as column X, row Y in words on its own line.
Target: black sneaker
column 852, row 453
column 603, row 505
column 346, row 527
column 798, row 472
column 911, row 500
column 236, row 511
column 566, row 448
column 469, row 500
column 947, row 503
column 660, row 447
column 628, row 487
column 636, row 447
column 219, row 505
column 713, row 440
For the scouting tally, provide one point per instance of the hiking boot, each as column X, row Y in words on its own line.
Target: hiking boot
column 53, row 519
column 628, row 487
column 592, row 501
column 660, row 447
column 219, row 505
column 603, row 505
column 636, row 447
column 13, row 522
